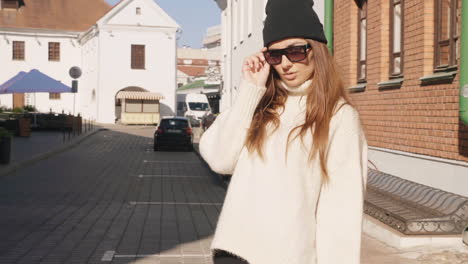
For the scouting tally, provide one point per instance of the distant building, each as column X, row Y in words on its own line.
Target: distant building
column 130, row 47
column 199, row 71
column 212, row 39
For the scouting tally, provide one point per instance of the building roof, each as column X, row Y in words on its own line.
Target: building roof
column 191, row 53
column 192, row 71
column 55, row 14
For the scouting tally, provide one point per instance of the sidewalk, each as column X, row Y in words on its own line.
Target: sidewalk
column 40, row 145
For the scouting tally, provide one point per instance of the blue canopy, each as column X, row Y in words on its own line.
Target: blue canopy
column 33, row 82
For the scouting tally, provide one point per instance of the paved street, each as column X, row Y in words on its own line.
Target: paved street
column 109, row 200
column 113, row 199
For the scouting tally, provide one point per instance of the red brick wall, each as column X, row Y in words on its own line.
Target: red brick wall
column 415, row 118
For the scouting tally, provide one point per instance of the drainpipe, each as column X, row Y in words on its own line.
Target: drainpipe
column 329, row 24
column 464, row 64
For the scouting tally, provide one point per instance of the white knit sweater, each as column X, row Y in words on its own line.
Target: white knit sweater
column 277, row 211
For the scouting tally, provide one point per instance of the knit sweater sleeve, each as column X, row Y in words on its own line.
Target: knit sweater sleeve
column 340, row 205
column 222, row 142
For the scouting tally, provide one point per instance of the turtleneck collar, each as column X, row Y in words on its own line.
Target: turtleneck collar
column 296, row 91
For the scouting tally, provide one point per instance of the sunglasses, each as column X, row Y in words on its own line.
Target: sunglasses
column 294, row 54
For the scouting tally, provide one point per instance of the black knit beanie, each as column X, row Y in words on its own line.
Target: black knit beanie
column 291, row 18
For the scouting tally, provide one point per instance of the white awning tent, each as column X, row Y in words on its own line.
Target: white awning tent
column 138, row 95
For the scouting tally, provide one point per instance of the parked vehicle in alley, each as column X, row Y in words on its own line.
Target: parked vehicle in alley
column 193, row 106
column 174, row 132
column 207, row 120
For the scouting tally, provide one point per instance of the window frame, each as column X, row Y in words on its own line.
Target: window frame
column 55, row 96
column 10, row 7
column 400, row 54
column 359, row 61
column 18, row 53
column 54, row 52
column 453, row 37
column 138, row 63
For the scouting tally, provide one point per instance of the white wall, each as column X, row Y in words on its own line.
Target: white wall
column 115, row 71
column 448, row 175
column 36, row 57
column 88, row 83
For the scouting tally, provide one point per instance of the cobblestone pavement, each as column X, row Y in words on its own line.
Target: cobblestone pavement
column 113, row 199
column 110, row 200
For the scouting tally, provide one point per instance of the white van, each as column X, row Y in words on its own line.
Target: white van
column 193, row 106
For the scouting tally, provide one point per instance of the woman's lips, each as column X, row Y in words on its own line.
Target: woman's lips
column 290, row 76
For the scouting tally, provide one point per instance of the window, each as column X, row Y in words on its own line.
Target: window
column 141, row 106
column 54, row 51
column 396, row 38
column 198, row 106
column 18, row 50
column 447, row 34
column 362, row 52
column 138, row 57
column 138, row 10
column 54, row 96
column 10, row 4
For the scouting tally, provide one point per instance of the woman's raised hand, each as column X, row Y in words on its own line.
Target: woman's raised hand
column 255, row 69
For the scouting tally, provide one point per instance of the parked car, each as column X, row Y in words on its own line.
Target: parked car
column 207, row 120
column 174, row 132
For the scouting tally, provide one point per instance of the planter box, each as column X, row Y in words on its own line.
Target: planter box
column 25, row 127
column 5, row 150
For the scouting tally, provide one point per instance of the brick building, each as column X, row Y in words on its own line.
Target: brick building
column 401, row 61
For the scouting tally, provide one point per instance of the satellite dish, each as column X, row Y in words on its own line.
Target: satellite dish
column 75, row 72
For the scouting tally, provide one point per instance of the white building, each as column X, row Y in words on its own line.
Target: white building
column 212, row 39
column 241, row 30
column 131, row 46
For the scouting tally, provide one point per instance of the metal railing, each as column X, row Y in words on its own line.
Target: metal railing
column 412, row 208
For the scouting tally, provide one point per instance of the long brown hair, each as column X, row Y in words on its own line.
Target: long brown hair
column 322, row 97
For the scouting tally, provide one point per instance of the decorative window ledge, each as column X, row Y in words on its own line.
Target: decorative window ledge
column 360, row 87
column 393, row 83
column 438, row 77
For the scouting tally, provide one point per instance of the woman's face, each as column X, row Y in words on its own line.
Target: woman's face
column 293, row 74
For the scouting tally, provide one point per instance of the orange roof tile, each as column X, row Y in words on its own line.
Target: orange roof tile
column 193, row 71
column 72, row 15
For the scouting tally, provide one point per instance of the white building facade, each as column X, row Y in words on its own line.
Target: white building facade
column 105, row 53
column 241, row 30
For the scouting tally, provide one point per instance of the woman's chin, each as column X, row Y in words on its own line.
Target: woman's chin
column 292, row 83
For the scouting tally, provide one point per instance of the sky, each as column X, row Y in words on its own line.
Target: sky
column 194, row 16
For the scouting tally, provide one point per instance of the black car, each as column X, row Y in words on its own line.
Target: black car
column 174, row 132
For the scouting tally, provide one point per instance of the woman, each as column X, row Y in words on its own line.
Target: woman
column 296, row 151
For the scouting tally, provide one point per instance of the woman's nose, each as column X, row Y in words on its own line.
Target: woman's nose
column 285, row 62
